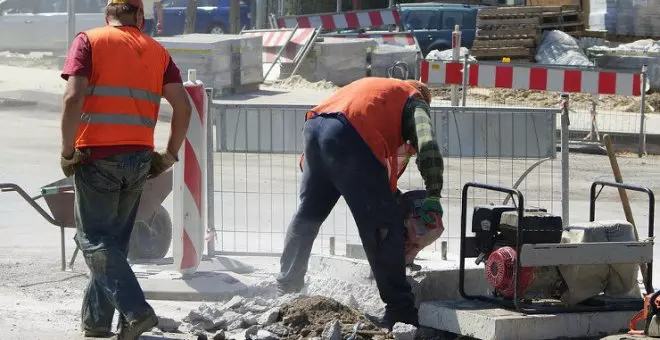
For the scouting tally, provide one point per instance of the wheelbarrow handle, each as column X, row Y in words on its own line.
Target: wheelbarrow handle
column 8, row 187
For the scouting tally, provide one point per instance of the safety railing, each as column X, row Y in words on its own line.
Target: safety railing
column 601, row 101
column 258, row 145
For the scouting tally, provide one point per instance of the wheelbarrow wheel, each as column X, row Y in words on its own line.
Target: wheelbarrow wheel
column 151, row 239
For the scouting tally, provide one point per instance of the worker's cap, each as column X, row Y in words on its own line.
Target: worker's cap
column 135, row 3
column 422, row 88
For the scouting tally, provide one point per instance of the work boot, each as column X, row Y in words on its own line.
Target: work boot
column 133, row 330
column 285, row 288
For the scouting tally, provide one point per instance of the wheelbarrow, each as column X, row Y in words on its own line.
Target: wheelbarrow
column 152, row 231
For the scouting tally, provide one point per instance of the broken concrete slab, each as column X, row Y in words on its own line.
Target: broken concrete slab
column 487, row 322
column 218, row 278
column 437, row 280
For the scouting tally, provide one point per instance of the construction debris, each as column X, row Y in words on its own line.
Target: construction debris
column 259, row 318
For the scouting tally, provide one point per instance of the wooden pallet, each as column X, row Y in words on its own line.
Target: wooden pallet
column 500, row 52
column 500, row 43
column 508, row 33
column 514, row 32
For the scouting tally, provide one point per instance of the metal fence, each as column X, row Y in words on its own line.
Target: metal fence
column 256, row 171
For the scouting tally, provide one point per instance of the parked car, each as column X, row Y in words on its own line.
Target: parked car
column 212, row 16
column 433, row 24
column 41, row 25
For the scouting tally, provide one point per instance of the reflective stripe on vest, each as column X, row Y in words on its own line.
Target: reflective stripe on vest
column 117, row 118
column 118, row 91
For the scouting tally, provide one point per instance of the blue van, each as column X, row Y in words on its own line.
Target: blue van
column 433, row 24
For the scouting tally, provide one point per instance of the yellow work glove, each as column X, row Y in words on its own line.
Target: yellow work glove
column 70, row 164
column 161, row 162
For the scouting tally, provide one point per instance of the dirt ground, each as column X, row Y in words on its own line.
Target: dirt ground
column 309, row 316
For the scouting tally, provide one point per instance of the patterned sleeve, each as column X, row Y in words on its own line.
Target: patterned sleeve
column 417, row 128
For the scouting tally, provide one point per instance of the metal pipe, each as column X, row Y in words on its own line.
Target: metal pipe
column 338, row 6
column 261, row 14
column 71, row 22
column 456, row 49
column 642, row 134
column 210, row 203
column 466, row 78
column 564, row 160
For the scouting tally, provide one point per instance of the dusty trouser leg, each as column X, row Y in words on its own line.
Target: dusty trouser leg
column 363, row 182
column 107, row 197
column 317, row 198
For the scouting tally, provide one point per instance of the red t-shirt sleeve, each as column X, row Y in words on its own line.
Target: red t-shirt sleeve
column 78, row 59
column 172, row 74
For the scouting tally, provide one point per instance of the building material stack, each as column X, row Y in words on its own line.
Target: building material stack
column 514, row 32
column 228, row 63
column 338, row 60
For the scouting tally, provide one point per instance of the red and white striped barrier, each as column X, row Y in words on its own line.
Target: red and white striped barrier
column 383, row 38
column 343, row 20
column 190, row 184
column 274, row 40
column 524, row 77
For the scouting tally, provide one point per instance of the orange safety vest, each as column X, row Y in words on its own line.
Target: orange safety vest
column 374, row 107
column 125, row 88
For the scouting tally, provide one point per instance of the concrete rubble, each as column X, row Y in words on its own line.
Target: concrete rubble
column 264, row 319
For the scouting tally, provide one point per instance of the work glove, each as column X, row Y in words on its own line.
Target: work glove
column 430, row 207
column 161, row 162
column 70, row 164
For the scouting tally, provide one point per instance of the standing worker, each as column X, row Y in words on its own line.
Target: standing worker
column 149, row 17
column 115, row 77
column 352, row 144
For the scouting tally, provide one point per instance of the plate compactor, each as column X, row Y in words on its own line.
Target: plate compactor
column 537, row 265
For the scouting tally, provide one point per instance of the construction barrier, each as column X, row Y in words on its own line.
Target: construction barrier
column 190, row 184
column 258, row 146
column 528, row 77
column 290, row 41
column 343, row 21
column 383, row 38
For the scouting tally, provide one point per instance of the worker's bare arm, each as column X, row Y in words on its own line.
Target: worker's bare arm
column 73, row 100
column 176, row 95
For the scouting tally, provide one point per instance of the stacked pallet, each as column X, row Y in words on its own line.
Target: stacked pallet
column 514, row 32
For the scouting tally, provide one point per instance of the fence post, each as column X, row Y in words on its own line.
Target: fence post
column 210, row 203
column 466, row 78
column 456, row 49
column 564, row 159
column 642, row 134
column 71, row 22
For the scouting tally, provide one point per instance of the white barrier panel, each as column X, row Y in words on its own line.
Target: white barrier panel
column 190, row 184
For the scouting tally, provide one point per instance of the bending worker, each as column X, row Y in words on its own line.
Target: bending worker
column 352, row 144
column 116, row 76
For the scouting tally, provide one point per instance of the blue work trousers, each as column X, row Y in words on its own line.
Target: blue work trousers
column 107, row 195
column 339, row 162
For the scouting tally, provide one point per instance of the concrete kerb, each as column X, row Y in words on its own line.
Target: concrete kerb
column 483, row 321
column 437, row 280
column 219, row 278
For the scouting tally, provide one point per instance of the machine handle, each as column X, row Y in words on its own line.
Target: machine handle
column 649, row 193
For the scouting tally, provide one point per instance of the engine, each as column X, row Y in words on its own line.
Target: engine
column 496, row 229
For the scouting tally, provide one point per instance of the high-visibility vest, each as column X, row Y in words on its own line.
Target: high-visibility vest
column 374, row 107
column 125, row 88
